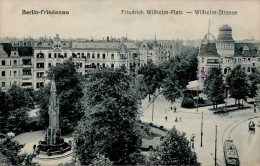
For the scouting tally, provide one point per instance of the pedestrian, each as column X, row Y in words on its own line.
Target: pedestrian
column 176, row 120
column 166, row 118
column 174, row 108
column 254, row 108
column 180, row 119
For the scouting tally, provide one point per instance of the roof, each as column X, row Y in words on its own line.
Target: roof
column 7, row 48
column 23, row 51
column 3, row 54
column 230, row 149
column 102, row 45
column 247, row 49
column 225, row 27
column 209, row 49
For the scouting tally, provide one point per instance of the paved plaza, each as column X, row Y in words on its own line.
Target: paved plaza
column 233, row 125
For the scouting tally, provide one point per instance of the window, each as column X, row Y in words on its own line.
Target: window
column 98, row 56
column 40, row 65
column 202, row 60
column 3, row 63
column 15, row 62
column 49, row 64
column 253, row 64
column 112, row 56
column 248, row 60
column 65, row 55
column 3, row 73
column 39, row 74
column 55, row 55
column 82, row 53
column 248, row 69
column 14, row 53
column 15, row 72
column 98, row 65
column 104, row 65
column 3, row 84
column 39, row 84
column 88, row 55
column 40, row 55
column 93, row 55
column 27, row 72
column 202, row 69
column 112, row 65
column 104, row 56
column 10, row 73
column 49, row 55
column 80, row 64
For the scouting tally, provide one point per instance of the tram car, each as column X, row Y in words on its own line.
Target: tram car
column 230, row 153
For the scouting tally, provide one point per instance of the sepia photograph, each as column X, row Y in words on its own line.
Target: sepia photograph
column 133, row 82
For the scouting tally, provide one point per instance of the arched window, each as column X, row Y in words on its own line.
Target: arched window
column 40, row 55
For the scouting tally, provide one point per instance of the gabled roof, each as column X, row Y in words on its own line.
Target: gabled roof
column 209, row 49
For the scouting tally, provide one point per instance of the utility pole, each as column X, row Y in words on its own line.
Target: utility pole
column 201, row 134
column 153, row 107
column 216, row 146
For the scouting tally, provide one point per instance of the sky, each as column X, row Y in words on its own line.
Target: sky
column 101, row 18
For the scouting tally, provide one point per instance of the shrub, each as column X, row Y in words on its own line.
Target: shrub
column 187, row 103
column 200, row 100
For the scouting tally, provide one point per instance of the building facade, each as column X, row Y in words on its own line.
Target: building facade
column 25, row 63
column 228, row 53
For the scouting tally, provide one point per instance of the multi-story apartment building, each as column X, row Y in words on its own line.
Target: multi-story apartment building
column 227, row 53
column 25, row 63
column 158, row 51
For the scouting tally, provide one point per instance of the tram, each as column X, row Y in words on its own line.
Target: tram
column 230, row 153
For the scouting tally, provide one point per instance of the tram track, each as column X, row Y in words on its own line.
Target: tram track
column 234, row 125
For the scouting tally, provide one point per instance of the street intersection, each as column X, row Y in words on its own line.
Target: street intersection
column 232, row 125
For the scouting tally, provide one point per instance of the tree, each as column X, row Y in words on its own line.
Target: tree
column 151, row 75
column 254, row 79
column 18, row 120
column 101, row 160
column 14, row 109
column 174, row 150
column 171, row 87
column 238, row 83
column 214, row 86
column 11, row 152
column 69, row 90
column 19, row 98
column 110, row 125
column 4, row 111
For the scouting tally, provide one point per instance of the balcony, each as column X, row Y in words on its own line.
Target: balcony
column 27, row 65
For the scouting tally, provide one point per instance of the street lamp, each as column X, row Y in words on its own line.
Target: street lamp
column 201, row 134
column 216, row 147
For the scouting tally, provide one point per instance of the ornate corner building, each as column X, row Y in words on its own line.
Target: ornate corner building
column 227, row 53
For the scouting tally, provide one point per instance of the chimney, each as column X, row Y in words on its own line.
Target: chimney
column 107, row 38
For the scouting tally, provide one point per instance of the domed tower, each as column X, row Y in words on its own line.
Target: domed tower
column 225, row 46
